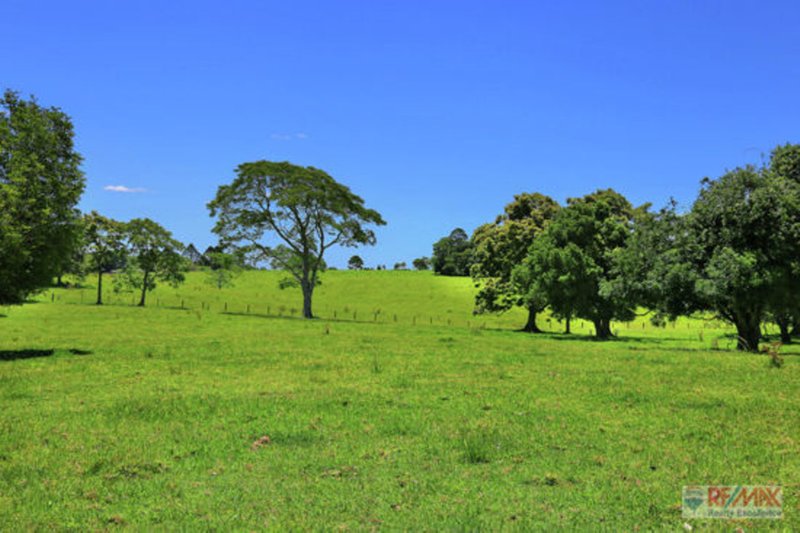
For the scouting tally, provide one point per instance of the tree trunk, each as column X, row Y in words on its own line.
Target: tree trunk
column 748, row 332
column 602, row 328
column 567, row 329
column 783, row 324
column 59, row 282
column 308, row 291
column 530, row 325
column 100, row 287
column 144, row 289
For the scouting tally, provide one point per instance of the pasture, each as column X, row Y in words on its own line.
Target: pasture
column 396, row 409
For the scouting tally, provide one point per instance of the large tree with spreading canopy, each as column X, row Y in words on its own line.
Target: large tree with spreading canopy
column 40, row 185
column 302, row 208
column 572, row 265
column 500, row 247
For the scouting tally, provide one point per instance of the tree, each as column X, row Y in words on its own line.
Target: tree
column 400, row 265
column 355, row 263
column 40, row 185
column 501, row 246
column 105, row 247
column 735, row 254
column 222, row 270
column 744, row 248
column 304, row 207
column 785, row 303
column 572, row 264
column 785, row 162
column 154, row 256
column 452, row 255
column 422, row 263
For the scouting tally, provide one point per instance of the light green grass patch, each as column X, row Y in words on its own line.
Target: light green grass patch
column 116, row 415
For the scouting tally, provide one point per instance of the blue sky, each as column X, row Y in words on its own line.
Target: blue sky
column 435, row 112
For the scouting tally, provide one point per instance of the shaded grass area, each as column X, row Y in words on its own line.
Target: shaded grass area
column 374, row 425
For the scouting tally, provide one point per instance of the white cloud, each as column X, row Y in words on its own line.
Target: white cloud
column 289, row 136
column 123, row 188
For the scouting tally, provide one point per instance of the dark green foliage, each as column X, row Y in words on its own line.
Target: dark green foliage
column 572, row 265
column 40, row 185
column 355, row 263
column 304, row 207
column 421, row 263
column 735, row 254
column 500, row 247
column 452, row 255
column 785, row 162
column 744, row 242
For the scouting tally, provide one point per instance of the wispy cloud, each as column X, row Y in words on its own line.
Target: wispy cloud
column 289, row 136
column 123, row 188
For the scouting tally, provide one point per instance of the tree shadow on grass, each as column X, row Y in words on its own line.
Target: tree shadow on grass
column 672, row 344
column 14, row 355
column 726, row 343
column 580, row 337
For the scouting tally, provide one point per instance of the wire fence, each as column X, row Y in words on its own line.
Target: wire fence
column 375, row 315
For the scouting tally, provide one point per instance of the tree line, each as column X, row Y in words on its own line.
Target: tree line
column 43, row 234
column 734, row 255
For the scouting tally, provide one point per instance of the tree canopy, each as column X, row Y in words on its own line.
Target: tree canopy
column 572, row 264
column 154, row 256
column 304, row 207
column 452, row 255
column 421, row 263
column 500, row 247
column 735, row 253
column 40, row 185
column 355, row 262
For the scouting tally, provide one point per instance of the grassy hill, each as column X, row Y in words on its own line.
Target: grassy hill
column 401, row 297
column 155, row 418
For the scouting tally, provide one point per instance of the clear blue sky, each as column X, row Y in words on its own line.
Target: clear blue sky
column 436, row 112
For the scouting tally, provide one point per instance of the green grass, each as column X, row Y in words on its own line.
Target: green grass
column 147, row 418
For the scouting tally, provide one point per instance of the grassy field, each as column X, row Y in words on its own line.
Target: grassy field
column 420, row 416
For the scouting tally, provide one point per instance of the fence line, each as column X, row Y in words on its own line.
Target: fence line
column 348, row 314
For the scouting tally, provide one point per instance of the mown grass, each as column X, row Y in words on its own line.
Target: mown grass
column 151, row 418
